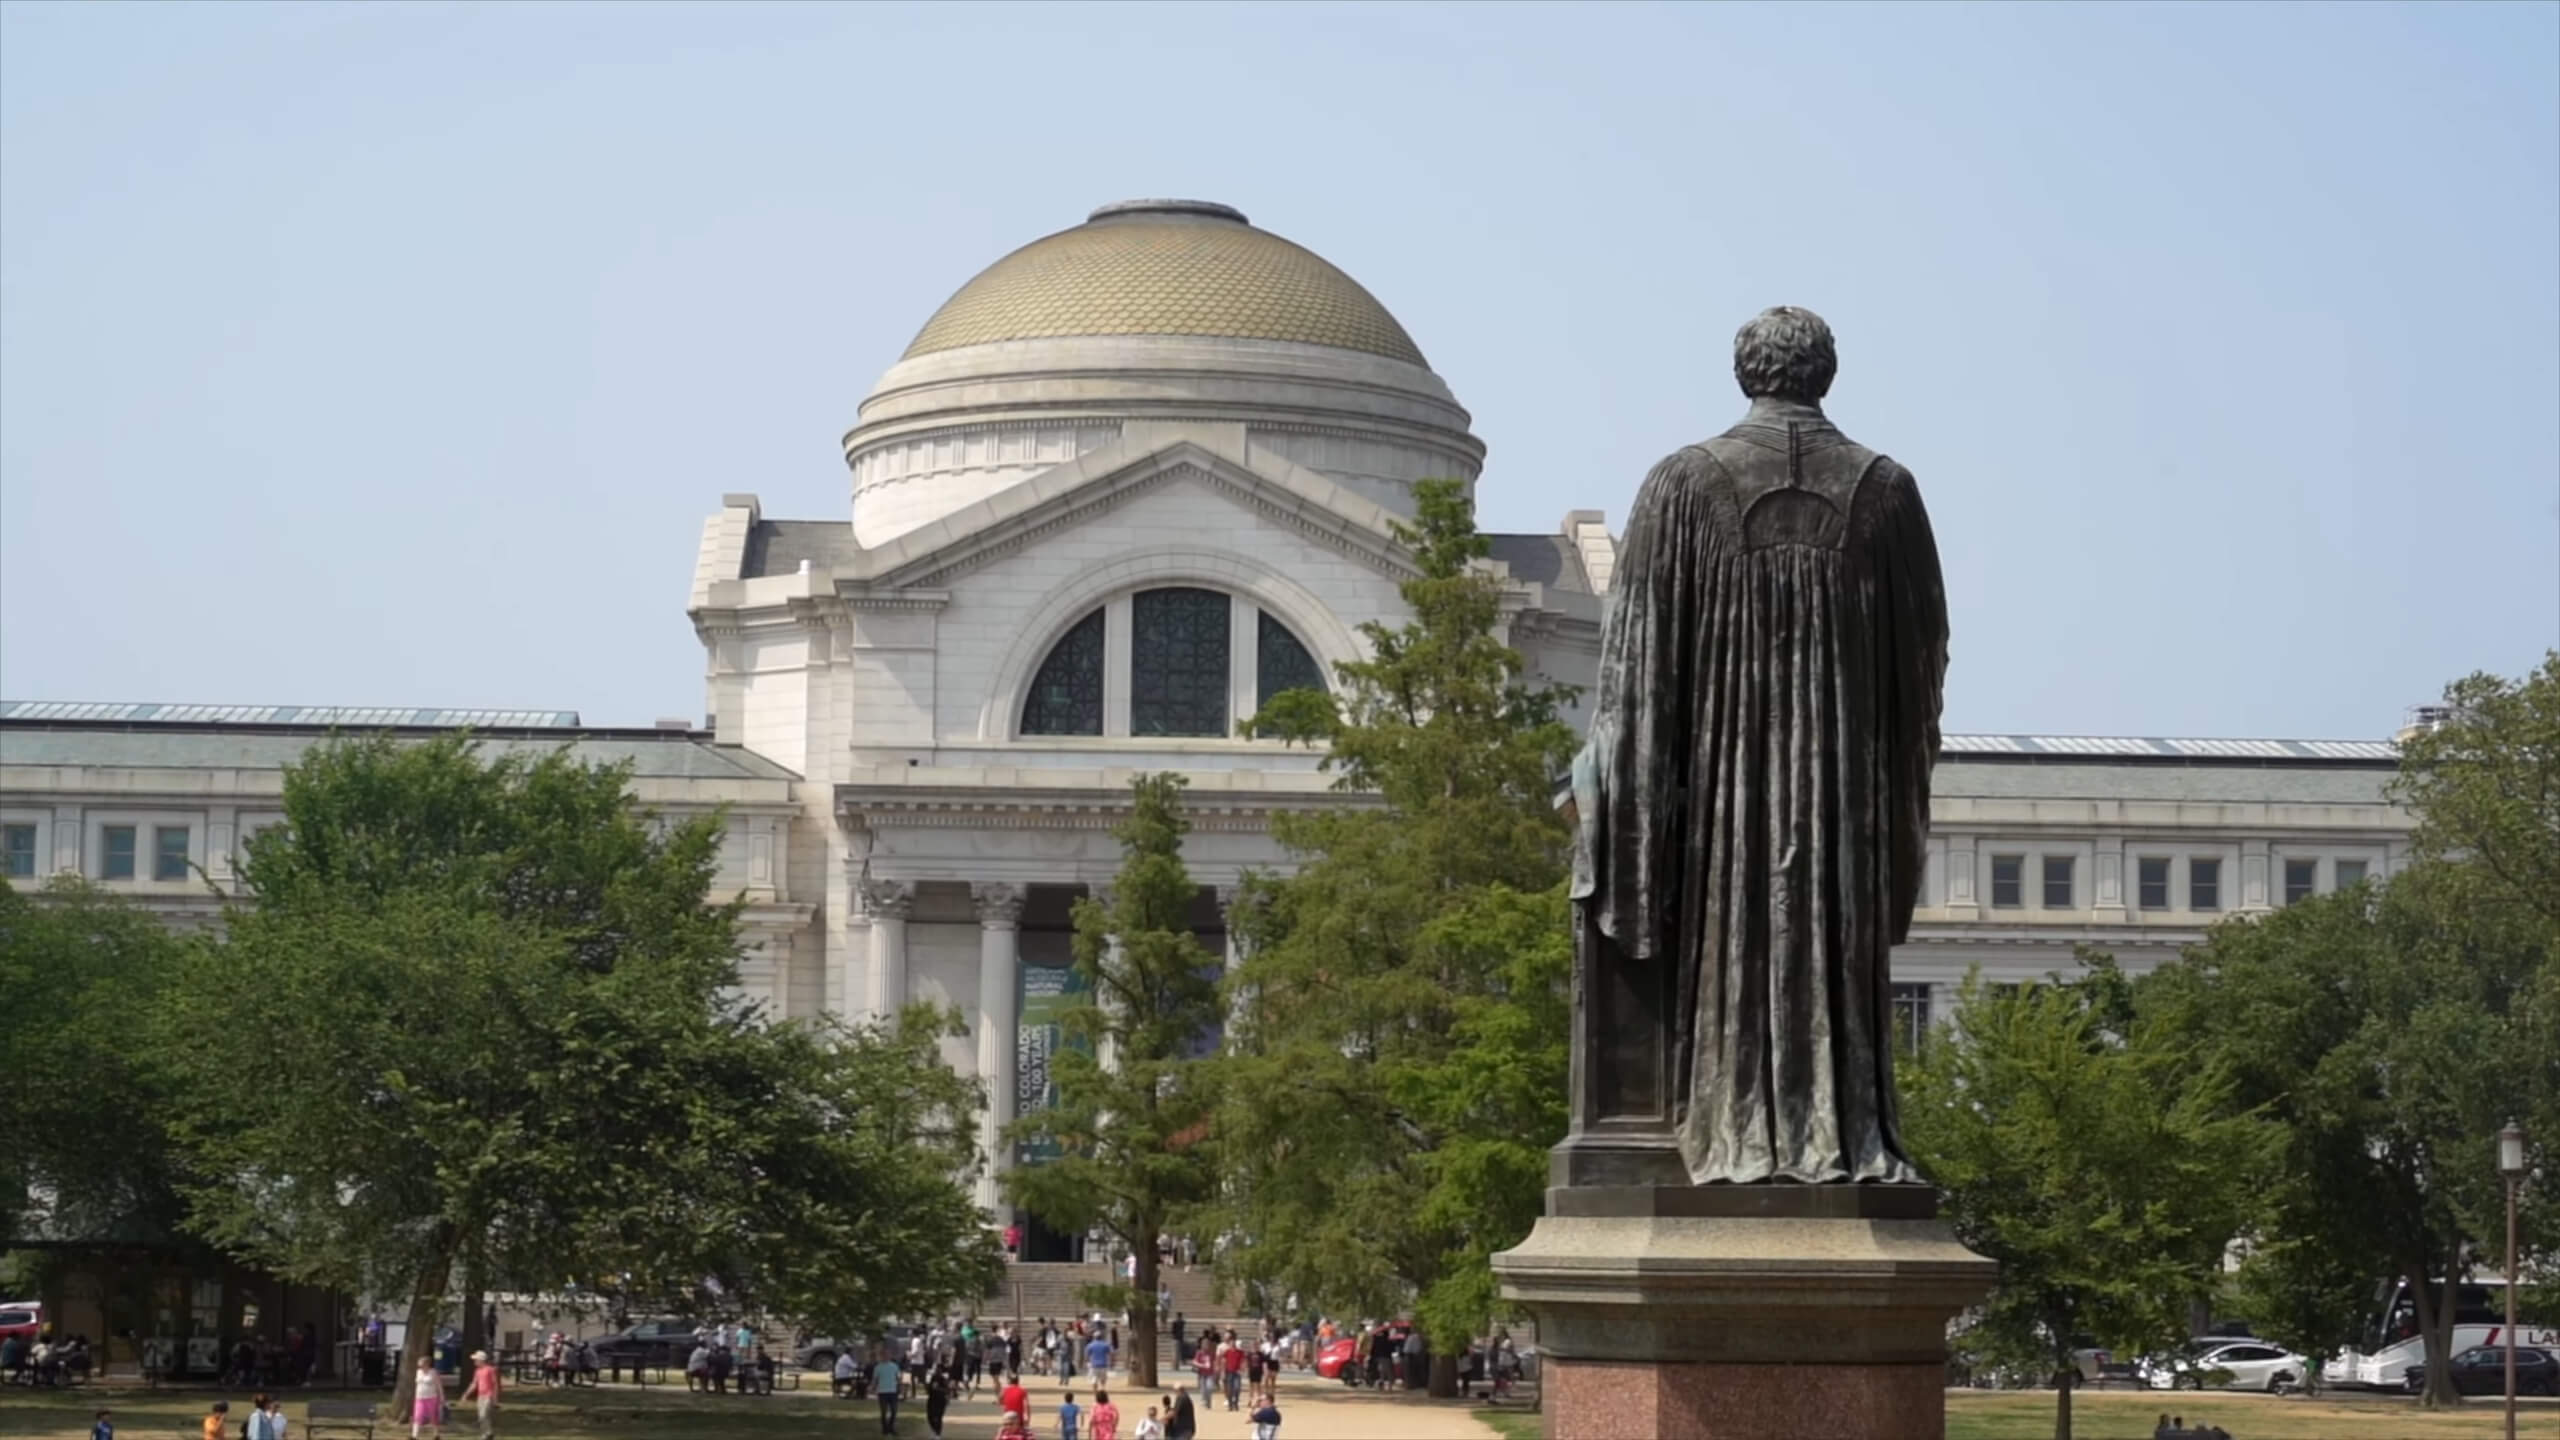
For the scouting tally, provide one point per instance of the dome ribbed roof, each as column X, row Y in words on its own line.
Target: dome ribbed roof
column 1166, row 267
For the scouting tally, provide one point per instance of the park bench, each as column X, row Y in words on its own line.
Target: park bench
column 329, row 1415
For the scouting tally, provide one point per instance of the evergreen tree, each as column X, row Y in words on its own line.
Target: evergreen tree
column 1130, row 1119
column 1398, row 1065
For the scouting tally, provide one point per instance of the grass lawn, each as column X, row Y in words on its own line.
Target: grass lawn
column 2121, row 1415
column 531, row 1413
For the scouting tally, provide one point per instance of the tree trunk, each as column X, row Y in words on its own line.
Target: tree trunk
column 2063, row 1384
column 426, row 1306
column 1444, row 1376
column 475, row 1329
column 1142, row 1311
column 2435, row 1330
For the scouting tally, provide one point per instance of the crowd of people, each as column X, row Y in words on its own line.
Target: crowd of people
column 724, row 1355
column 43, row 1360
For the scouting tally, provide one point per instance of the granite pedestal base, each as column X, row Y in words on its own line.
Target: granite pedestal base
column 1699, row 1313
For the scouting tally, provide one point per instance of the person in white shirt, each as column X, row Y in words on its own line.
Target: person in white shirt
column 847, row 1367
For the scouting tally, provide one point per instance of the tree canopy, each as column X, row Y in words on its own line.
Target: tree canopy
column 84, row 1155
column 2093, row 1151
column 479, row 1011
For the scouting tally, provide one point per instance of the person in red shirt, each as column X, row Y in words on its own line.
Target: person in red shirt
column 1013, row 1399
column 484, row 1389
column 1106, row 1417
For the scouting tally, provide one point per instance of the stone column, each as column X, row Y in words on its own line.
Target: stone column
column 1235, row 953
column 999, row 981
column 888, row 902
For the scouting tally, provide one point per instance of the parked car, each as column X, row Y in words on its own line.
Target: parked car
column 651, row 1342
column 1333, row 1362
column 24, row 1319
column 820, row 1353
column 2248, row 1364
column 2482, row 1370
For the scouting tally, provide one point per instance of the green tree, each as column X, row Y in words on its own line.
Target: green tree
column 2485, row 786
column 2092, row 1151
column 1397, row 1068
column 478, row 1014
column 84, row 1155
column 1130, row 1120
column 2389, row 1031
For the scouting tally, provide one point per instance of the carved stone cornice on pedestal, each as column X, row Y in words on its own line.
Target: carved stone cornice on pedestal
column 999, row 905
column 889, row 899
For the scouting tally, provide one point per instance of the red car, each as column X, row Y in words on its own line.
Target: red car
column 24, row 1319
column 1336, row 1361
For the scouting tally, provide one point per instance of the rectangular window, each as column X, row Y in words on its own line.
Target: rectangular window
column 2301, row 880
column 2204, row 884
column 116, row 863
column 169, row 852
column 1910, row 1016
column 18, row 851
column 2008, row 881
column 2154, row 877
column 2057, row 882
column 2350, row 874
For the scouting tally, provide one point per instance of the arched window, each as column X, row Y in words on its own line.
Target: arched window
column 1283, row 663
column 1178, row 665
column 1186, row 665
column 1066, row 696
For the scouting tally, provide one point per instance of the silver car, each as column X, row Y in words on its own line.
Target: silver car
column 2249, row 1364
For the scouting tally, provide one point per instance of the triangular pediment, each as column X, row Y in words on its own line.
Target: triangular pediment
column 1089, row 487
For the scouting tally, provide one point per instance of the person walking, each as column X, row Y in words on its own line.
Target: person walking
column 1182, row 1422
column 1070, row 1417
column 1106, row 1417
column 937, row 1399
column 266, row 1418
column 1266, row 1420
column 483, row 1392
column 1097, row 1358
column 885, row 1379
column 1204, row 1365
column 1013, row 1399
column 1150, row 1425
column 1231, row 1360
column 426, row 1402
column 217, row 1419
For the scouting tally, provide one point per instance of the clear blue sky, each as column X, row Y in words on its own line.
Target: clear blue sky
column 394, row 354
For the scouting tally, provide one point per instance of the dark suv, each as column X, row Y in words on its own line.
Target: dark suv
column 651, row 1342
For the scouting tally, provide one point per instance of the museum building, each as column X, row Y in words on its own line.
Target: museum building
column 1129, row 481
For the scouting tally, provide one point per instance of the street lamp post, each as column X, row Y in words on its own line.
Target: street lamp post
column 2511, row 1167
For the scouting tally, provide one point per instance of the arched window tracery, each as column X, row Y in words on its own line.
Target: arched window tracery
column 1066, row 695
column 1181, row 670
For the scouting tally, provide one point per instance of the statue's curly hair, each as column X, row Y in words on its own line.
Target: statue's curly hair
column 1785, row 351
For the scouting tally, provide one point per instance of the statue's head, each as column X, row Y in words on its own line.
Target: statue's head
column 1785, row 352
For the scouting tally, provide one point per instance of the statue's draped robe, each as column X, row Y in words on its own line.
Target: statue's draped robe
column 1754, row 797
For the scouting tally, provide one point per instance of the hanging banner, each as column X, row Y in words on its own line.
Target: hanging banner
column 1048, row 993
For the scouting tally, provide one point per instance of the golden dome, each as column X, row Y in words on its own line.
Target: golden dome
column 1166, row 267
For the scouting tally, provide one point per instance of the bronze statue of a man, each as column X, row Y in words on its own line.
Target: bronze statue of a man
column 1753, row 801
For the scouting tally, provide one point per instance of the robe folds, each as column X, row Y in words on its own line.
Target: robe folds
column 1753, row 797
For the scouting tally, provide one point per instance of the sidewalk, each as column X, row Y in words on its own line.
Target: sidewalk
column 1310, row 1409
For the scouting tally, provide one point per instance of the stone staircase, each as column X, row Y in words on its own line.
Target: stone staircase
column 1032, row 1290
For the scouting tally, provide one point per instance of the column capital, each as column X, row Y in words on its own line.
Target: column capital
column 889, row 899
column 999, row 904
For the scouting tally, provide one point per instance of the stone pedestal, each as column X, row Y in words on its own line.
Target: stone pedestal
column 1704, row 1312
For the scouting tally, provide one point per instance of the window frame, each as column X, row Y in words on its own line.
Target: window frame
column 2337, row 877
column 162, row 873
column 2309, row 865
column 9, row 853
column 2070, row 882
column 2142, row 883
column 2210, row 865
column 2017, row 883
column 107, row 856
